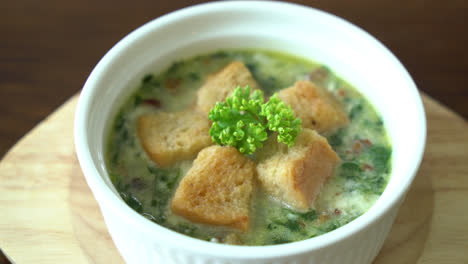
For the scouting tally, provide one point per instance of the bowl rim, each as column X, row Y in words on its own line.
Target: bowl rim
column 105, row 195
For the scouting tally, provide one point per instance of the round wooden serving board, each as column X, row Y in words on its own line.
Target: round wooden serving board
column 49, row 215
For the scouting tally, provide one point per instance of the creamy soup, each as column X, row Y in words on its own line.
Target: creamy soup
column 358, row 181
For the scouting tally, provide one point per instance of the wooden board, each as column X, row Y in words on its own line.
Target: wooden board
column 49, row 215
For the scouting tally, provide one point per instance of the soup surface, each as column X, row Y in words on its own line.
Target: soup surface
column 357, row 183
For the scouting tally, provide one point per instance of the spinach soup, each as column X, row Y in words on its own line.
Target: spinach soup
column 349, row 134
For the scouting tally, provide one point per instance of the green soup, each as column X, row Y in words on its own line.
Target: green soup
column 359, row 180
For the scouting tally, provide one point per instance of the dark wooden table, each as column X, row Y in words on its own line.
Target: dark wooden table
column 48, row 48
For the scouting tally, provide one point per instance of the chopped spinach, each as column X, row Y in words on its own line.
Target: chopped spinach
column 114, row 176
column 280, row 240
column 121, row 187
column 121, row 134
column 124, row 137
column 132, row 201
column 379, row 122
column 308, row 216
column 168, row 176
column 332, row 225
column 147, row 78
column 375, row 125
column 119, row 121
column 269, row 83
column 175, row 67
column 291, row 224
column 115, row 160
column 372, row 181
column 376, row 185
column 355, row 111
column 220, row 55
column 294, row 221
column 271, row 226
column 164, row 181
column 252, row 67
column 336, row 139
column 350, row 170
column 137, row 100
column 149, row 85
column 194, row 76
column 380, row 156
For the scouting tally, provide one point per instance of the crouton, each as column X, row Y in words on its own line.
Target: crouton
column 315, row 106
column 220, row 85
column 295, row 175
column 171, row 137
column 217, row 189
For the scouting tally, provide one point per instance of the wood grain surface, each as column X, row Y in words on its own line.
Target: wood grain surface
column 49, row 47
column 48, row 213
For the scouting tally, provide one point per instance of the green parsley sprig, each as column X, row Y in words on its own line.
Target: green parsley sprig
column 244, row 121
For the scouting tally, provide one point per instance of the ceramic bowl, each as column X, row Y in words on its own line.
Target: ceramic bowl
column 306, row 32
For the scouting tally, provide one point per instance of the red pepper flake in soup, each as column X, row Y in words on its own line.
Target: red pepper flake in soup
column 366, row 142
column 154, row 102
column 367, row 167
column 359, row 145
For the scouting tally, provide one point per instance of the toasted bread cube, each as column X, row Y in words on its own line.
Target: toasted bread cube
column 221, row 84
column 295, row 175
column 217, row 189
column 315, row 106
column 171, row 137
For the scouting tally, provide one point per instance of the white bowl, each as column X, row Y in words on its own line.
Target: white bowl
column 347, row 50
